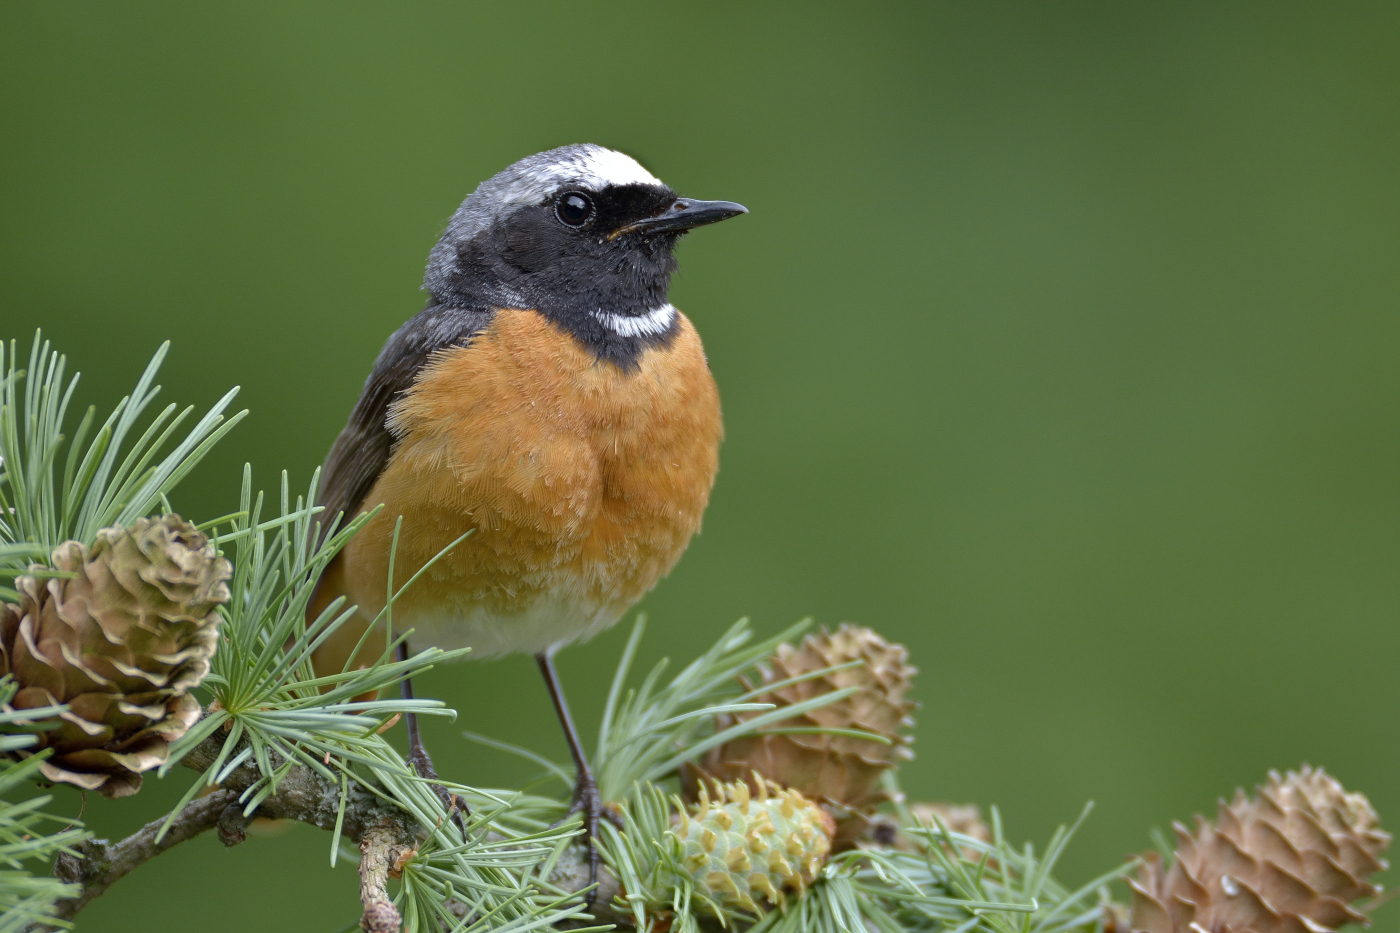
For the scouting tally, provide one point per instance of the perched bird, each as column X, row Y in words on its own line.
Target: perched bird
column 550, row 400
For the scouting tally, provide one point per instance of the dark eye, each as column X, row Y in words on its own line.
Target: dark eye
column 574, row 208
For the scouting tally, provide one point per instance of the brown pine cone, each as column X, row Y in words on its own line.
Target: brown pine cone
column 835, row 769
column 121, row 641
column 1294, row 859
column 882, row 830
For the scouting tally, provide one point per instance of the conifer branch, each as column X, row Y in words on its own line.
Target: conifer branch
column 99, row 864
column 386, row 834
column 383, row 830
column 308, row 797
column 380, row 853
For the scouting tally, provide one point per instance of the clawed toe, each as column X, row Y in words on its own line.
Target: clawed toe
column 588, row 802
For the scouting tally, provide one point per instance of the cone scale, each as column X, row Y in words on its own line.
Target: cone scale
column 121, row 638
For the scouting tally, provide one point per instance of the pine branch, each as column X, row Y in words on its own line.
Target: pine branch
column 102, row 863
column 308, row 797
column 387, row 834
column 301, row 795
column 380, row 852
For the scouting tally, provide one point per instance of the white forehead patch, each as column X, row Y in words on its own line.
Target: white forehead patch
column 603, row 167
column 540, row 177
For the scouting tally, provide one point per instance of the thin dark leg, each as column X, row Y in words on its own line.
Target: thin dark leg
column 418, row 755
column 586, row 798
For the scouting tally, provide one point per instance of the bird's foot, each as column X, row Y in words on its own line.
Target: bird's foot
column 422, row 765
column 589, row 803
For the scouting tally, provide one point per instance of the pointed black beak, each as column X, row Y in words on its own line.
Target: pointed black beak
column 684, row 214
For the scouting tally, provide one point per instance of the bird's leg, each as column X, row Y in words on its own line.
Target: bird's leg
column 418, row 755
column 587, row 800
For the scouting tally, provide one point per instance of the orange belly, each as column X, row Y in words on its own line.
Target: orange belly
column 582, row 485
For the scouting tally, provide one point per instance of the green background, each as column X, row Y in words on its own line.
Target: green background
column 1061, row 344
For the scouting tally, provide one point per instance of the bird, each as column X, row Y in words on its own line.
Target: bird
column 551, row 404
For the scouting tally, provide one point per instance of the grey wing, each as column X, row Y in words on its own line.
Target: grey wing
column 362, row 451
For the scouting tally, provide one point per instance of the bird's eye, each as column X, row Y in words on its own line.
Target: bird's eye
column 574, row 208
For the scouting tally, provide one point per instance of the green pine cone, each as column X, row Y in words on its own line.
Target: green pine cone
column 745, row 851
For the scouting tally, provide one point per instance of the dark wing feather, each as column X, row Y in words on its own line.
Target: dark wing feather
column 362, row 450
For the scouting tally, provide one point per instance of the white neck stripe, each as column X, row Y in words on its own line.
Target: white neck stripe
column 655, row 321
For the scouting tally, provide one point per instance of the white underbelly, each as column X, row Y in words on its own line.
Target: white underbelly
column 549, row 622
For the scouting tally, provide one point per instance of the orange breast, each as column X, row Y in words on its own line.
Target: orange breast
column 583, row 484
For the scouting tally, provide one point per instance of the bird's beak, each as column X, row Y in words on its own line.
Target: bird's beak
column 683, row 214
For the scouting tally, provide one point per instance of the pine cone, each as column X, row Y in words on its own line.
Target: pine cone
column 882, row 830
column 962, row 818
column 835, row 769
column 741, row 849
column 122, row 642
column 1291, row 860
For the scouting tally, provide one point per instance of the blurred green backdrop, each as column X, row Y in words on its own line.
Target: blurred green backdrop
column 1061, row 344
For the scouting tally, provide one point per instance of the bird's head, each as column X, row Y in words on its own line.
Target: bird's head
column 581, row 233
